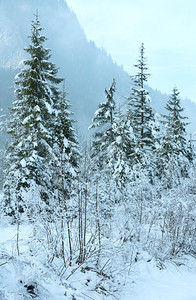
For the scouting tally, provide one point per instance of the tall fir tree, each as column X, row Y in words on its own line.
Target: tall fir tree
column 139, row 109
column 102, row 140
column 103, row 124
column 66, row 151
column 30, row 151
column 174, row 140
column 64, row 169
column 121, row 150
column 174, row 153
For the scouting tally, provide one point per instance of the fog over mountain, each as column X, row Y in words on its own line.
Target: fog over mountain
column 87, row 69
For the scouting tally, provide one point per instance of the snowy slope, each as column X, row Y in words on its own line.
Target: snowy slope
column 173, row 282
column 146, row 280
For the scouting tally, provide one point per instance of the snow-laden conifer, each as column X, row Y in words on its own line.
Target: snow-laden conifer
column 121, row 150
column 174, row 153
column 102, row 180
column 140, row 111
column 174, row 140
column 30, row 150
column 66, row 150
column 103, row 124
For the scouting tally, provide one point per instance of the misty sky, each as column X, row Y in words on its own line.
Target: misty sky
column 167, row 28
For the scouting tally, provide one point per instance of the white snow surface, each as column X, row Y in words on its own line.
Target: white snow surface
column 174, row 280
column 147, row 280
column 23, row 163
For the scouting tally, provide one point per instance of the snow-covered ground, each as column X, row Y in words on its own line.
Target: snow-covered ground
column 173, row 282
column 147, row 280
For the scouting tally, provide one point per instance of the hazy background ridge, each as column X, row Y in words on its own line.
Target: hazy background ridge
column 87, row 69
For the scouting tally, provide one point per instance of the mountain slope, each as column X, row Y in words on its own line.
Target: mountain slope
column 87, row 69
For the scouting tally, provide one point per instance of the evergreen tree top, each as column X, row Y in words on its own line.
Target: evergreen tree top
column 39, row 55
column 173, row 106
column 105, row 112
column 142, row 76
column 174, row 140
column 140, row 111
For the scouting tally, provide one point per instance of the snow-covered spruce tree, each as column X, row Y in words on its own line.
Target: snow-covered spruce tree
column 30, row 151
column 65, row 143
column 65, row 167
column 121, row 150
column 101, row 141
column 140, row 111
column 174, row 151
column 103, row 124
column 174, row 140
